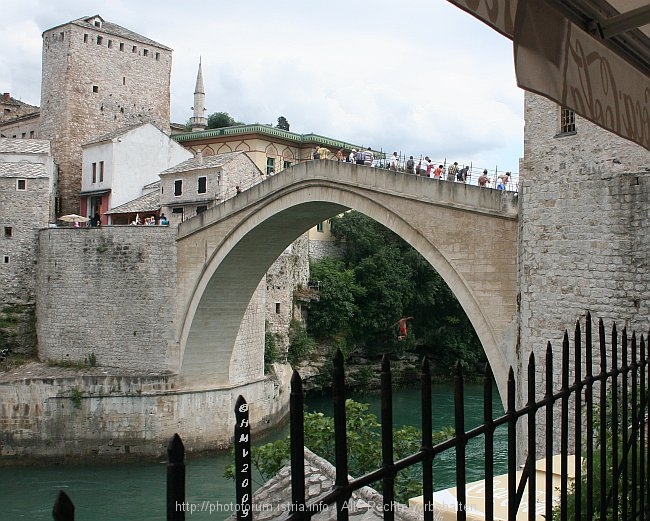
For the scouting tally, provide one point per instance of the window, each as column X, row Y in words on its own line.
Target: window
column 7, row 112
column 9, row 232
column 98, row 23
column 31, row 134
column 99, row 40
column 85, row 38
column 6, row 259
column 21, row 184
column 110, row 44
column 134, row 49
column 62, row 34
column 94, row 173
column 122, row 47
column 145, row 52
column 567, row 121
column 177, row 210
column 201, row 209
column 95, row 88
column 277, row 308
column 202, row 185
column 286, row 164
column 24, row 135
column 157, row 56
column 270, row 165
column 123, row 80
column 319, row 227
column 178, row 187
column 101, row 171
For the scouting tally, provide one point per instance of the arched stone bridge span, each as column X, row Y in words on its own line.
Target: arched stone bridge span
column 468, row 234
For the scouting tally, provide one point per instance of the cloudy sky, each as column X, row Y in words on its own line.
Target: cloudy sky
column 417, row 77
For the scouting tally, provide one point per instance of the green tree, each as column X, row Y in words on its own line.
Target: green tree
column 221, row 120
column 282, row 123
column 364, row 447
column 390, row 280
column 332, row 314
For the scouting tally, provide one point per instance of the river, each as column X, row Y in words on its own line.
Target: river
column 134, row 492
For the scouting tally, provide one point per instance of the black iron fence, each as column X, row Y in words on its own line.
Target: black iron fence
column 602, row 414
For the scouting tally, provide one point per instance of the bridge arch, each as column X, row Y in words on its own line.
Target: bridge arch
column 240, row 239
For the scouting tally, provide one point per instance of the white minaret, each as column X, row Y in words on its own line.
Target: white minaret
column 198, row 122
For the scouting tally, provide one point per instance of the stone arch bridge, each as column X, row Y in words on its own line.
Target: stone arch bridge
column 468, row 234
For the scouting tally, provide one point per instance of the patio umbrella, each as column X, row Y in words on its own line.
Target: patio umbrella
column 73, row 218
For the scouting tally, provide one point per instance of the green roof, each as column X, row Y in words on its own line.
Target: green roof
column 267, row 130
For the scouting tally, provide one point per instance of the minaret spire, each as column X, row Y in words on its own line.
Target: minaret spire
column 199, row 121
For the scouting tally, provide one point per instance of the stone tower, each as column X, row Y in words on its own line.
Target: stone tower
column 97, row 77
column 199, row 121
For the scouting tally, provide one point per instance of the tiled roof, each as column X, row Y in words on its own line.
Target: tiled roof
column 146, row 203
column 200, row 162
column 115, row 30
column 152, row 186
column 23, row 169
column 24, row 146
column 112, row 135
column 274, row 496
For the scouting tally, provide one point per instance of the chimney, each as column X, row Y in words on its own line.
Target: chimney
column 6, row 96
column 199, row 156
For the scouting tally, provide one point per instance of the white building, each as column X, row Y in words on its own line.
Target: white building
column 116, row 166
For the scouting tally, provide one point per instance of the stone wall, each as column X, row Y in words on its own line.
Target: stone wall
column 22, row 213
column 584, row 221
column 117, row 416
column 110, row 291
column 289, row 272
column 79, row 104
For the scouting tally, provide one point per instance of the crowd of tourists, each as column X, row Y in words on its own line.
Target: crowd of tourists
column 424, row 167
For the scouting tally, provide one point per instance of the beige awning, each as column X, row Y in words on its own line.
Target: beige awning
column 591, row 56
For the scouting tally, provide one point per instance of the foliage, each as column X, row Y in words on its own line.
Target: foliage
column 271, row 354
column 364, row 447
column 379, row 279
column 336, row 306
column 221, row 120
column 75, row 397
column 301, row 345
column 67, row 363
column 282, row 123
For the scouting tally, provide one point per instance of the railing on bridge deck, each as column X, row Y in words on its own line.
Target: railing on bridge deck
column 614, row 431
column 511, row 186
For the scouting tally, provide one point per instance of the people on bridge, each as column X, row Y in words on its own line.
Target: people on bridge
column 316, row 153
column 394, row 161
column 401, row 323
column 339, row 155
column 423, row 166
column 452, row 171
column 483, row 179
column 358, row 157
column 410, row 165
column 437, row 173
column 351, row 156
column 323, row 152
column 368, row 157
column 462, row 174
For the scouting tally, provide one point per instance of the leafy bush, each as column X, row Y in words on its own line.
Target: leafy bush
column 364, row 447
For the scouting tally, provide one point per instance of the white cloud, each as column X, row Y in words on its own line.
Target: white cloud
column 417, row 77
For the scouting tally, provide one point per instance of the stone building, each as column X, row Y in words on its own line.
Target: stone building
column 97, row 77
column 584, row 217
column 18, row 119
column 199, row 183
column 27, row 174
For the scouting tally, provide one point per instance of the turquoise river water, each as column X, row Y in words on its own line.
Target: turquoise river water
column 135, row 492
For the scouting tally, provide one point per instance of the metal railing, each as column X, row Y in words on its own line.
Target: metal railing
column 610, row 438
